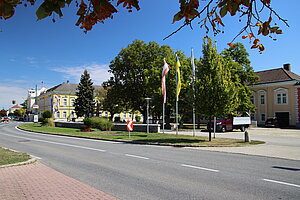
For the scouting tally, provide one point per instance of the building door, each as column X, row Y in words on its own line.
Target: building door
column 283, row 119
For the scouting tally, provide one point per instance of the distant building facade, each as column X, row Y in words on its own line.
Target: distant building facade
column 277, row 94
column 31, row 98
column 60, row 101
column 14, row 108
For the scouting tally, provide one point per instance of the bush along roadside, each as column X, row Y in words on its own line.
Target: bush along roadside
column 102, row 124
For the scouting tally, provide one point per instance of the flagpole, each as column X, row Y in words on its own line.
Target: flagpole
column 194, row 111
column 176, row 104
column 163, row 122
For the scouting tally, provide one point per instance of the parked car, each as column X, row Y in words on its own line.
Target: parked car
column 272, row 122
column 5, row 119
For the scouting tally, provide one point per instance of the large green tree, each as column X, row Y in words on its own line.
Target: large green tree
column 257, row 15
column 137, row 74
column 216, row 93
column 84, row 104
column 100, row 95
column 113, row 101
column 242, row 74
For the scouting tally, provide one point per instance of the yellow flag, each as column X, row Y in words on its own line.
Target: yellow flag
column 178, row 80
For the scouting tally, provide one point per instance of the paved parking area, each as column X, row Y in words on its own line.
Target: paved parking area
column 280, row 143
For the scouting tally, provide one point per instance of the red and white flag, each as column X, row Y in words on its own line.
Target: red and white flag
column 165, row 70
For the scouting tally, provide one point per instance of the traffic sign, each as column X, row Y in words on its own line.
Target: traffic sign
column 129, row 125
column 35, row 106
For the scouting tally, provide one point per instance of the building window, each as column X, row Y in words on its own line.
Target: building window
column 72, row 101
column 281, row 96
column 278, row 98
column 64, row 114
column 57, row 114
column 263, row 117
column 262, row 99
column 72, row 114
column 65, row 102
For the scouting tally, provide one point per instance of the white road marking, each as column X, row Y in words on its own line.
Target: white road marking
column 202, row 168
column 134, row 156
column 75, row 138
column 57, row 143
column 280, row 182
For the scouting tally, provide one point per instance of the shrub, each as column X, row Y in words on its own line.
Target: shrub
column 102, row 124
column 47, row 114
column 106, row 125
column 47, row 122
column 87, row 122
column 50, row 122
column 42, row 120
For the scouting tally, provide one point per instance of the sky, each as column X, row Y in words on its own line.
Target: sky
column 46, row 54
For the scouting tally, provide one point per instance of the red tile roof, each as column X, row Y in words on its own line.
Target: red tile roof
column 16, row 106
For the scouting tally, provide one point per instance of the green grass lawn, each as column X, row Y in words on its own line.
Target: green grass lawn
column 139, row 137
column 10, row 157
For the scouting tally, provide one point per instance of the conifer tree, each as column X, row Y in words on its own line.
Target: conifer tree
column 84, row 104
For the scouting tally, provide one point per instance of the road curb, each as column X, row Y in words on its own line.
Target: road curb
column 131, row 142
column 31, row 160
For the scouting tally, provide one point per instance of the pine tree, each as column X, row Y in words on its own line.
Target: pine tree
column 84, row 104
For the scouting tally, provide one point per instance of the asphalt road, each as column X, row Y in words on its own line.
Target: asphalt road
column 129, row 171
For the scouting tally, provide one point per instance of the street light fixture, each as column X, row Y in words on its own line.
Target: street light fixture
column 148, row 99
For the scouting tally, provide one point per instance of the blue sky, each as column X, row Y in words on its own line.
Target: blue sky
column 34, row 51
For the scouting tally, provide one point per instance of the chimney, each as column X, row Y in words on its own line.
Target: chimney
column 287, row 67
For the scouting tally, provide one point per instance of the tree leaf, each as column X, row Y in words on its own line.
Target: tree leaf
column 177, row 17
column 223, row 11
column 41, row 13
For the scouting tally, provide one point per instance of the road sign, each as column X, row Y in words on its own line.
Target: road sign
column 35, row 106
column 35, row 118
column 129, row 125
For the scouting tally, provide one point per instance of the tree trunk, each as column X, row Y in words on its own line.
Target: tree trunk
column 111, row 116
column 167, row 117
column 209, row 129
column 144, row 113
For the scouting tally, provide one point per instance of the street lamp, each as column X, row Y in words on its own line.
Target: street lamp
column 148, row 99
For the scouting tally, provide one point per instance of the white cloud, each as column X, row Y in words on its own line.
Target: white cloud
column 98, row 73
column 9, row 93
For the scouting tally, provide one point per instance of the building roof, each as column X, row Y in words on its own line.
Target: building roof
column 276, row 75
column 67, row 88
column 16, row 106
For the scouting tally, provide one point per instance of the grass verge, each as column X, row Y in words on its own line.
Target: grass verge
column 142, row 138
column 10, row 157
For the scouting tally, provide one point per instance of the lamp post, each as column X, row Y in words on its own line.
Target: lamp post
column 148, row 99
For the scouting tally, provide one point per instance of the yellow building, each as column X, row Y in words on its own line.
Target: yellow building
column 60, row 101
column 277, row 94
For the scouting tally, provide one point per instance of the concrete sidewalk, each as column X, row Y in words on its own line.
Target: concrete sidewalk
column 280, row 143
column 37, row 181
